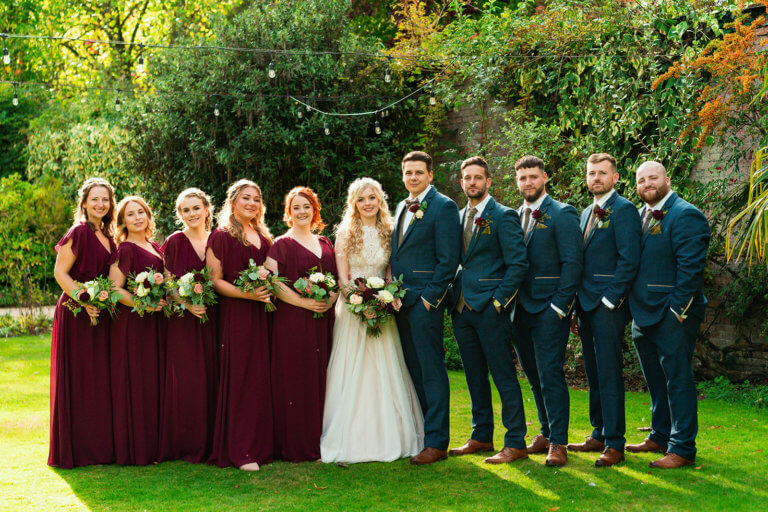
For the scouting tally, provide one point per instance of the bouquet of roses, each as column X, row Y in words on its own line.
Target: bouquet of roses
column 316, row 286
column 195, row 288
column 99, row 293
column 148, row 289
column 256, row 276
column 376, row 297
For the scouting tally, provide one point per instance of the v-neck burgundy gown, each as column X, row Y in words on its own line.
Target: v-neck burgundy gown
column 135, row 364
column 81, row 404
column 301, row 348
column 243, row 424
column 190, row 372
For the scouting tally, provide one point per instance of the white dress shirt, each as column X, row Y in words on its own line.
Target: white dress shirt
column 409, row 214
column 480, row 208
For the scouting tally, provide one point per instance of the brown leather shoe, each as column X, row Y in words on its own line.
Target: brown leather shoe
column 670, row 461
column 590, row 444
column 429, row 456
column 645, row 447
column 557, row 455
column 508, row 454
column 609, row 457
column 540, row 444
column 472, row 446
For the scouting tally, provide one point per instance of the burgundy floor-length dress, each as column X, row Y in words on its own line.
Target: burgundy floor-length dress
column 301, row 348
column 243, row 425
column 136, row 356
column 81, row 404
column 190, row 373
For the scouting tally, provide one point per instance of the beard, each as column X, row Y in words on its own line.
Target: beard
column 477, row 193
column 598, row 189
column 533, row 195
column 655, row 195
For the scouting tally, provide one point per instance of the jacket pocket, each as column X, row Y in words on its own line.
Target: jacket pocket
column 661, row 288
column 602, row 277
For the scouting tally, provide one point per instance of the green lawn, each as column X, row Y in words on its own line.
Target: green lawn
column 730, row 472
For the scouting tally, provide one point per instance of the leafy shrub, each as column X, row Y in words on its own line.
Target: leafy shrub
column 723, row 389
column 29, row 323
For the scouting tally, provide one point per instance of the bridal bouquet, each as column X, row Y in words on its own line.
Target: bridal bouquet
column 148, row 289
column 373, row 300
column 256, row 276
column 193, row 288
column 316, row 286
column 99, row 293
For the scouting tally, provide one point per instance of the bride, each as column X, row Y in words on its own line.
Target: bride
column 371, row 409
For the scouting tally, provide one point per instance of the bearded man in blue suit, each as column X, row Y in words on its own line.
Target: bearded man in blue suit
column 546, row 299
column 493, row 266
column 425, row 251
column 611, row 234
column 667, row 305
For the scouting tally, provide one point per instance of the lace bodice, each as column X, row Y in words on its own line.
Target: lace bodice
column 373, row 259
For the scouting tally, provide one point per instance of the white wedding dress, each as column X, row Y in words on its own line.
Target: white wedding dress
column 371, row 409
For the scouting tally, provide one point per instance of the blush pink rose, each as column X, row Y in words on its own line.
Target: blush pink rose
column 198, row 289
column 103, row 295
column 158, row 277
column 263, row 274
column 355, row 299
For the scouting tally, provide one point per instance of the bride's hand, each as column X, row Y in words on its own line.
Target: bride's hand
column 397, row 304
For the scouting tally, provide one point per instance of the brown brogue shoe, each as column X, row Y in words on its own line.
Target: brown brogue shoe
column 508, row 454
column 590, row 444
column 645, row 447
column 557, row 455
column 609, row 457
column 472, row 446
column 670, row 461
column 540, row 444
column 429, row 456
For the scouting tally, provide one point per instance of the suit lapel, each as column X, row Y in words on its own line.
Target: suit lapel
column 543, row 208
column 414, row 220
column 475, row 233
column 606, row 206
column 399, row 211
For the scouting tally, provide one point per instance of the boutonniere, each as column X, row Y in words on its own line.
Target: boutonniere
column 417, row 210
column 655, row 227
column 483, row 226
column 603, row 217
column 539, row 216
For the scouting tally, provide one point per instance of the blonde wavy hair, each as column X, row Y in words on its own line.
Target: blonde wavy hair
column 227, row 220
column 122, row 230
column 202, row 196
column 349, row 232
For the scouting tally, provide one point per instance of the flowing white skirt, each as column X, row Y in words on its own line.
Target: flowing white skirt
column 372, row 412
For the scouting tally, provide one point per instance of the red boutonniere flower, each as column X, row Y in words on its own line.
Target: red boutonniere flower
column 413, row 208
column 537, row 214
column 483, row 225
column 657, row 214
column 600, row 213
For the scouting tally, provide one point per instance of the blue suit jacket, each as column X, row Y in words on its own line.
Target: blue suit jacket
column 553, row 247
column 611, row 254
column 672, row 258
column 495, row 263
column 428, row 257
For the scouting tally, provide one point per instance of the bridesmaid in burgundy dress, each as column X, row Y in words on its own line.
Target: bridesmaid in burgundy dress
column 189, row 398
column 301, row 344
column 243, row 426
column 81, row 405
column 135, row 341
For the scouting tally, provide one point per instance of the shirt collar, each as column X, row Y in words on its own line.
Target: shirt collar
column 421, row 196
column 660, row 204
column 480, row 207
column 601, row 202
column 536, row 204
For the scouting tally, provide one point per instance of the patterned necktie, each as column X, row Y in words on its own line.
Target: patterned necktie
column 648, row 217
column 400, row 229
column 468, row 223
column 526, row 220
column 590, row 223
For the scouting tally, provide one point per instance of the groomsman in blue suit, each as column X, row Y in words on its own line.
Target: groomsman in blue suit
column 553, row 244
column 611, row 237
column 426, row 247
column 493, row 266
column 667, row 305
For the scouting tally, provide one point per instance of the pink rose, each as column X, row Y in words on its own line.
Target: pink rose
column 103, row 295
column 158, row 277
column 198, row 289
column 355, row 299
column 263, row 274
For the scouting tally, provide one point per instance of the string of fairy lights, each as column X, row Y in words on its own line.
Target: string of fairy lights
column 305, row 104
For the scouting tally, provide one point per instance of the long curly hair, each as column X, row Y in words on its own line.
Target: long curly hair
column 202, row 196
column 122, row 229
column 349, row 232
column 307, row 193
column 80, row 215
column 227, row 220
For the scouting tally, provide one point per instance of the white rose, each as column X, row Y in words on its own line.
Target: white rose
column 385, row 296
column 142, row 276
column 317, row 277
column 355, row 299
column 419, row 214
column 92, row 292
column 141, row 291
column 375, row 282
column 183, row 291
column 331, row 282
column 187, row 278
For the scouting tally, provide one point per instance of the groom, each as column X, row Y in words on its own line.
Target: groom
column 426, row 250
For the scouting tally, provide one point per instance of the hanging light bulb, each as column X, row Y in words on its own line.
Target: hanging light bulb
column 326, row 129
column 216, row 110
column 117, row 104
column 140, row 66
column 387, row 75
column 377, row 128
column 6, row 56
column 272, row 73
column 299, row 114
column 15, row 99
column 432, row 99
